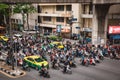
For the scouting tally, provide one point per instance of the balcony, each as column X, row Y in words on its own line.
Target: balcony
column 48, row 25
column 52, row 25
column 55, row 14
column 87, row 15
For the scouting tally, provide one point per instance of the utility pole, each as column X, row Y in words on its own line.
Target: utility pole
column 11, row 39
column 36, row 28
column 70, row 23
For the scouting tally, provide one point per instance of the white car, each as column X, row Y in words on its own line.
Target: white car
column 19, row 36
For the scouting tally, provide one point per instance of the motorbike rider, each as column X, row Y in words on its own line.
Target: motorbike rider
column 54, row 62
column 66, row 64
column 25, row 65
column 42, row 71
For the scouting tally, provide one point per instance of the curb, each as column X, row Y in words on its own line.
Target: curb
column 11, row 74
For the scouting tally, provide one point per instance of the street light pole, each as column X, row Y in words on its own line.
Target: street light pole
column 11, row 39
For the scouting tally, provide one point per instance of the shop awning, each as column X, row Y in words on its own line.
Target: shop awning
column 115, row 36
column 114, row 30
column 64, row 30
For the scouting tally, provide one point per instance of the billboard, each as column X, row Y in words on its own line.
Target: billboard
column 114, row 30
column 58, row 28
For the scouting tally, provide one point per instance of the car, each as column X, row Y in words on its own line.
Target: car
column 4, row 38
column 36, row 62
column 19, row 36
column 59, row 45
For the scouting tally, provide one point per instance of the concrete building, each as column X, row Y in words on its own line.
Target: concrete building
column 51, row 15
column 61, row 14
column 86, row 17
column 17, row 20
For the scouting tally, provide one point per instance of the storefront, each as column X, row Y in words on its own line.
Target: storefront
column 64, row 32
column 114, row 34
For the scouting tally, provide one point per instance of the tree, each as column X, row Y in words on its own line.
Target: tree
column 24, row 9
column 4, row 11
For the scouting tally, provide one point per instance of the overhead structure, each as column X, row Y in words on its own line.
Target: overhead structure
column 62, row 1
column 45, row 1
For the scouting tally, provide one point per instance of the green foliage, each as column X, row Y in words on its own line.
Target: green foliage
column 4, row 9
column 25, row 8
column 55, row 38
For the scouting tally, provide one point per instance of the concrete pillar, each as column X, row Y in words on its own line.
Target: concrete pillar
column 100, row 21
column 95, row 26
column 105, row 29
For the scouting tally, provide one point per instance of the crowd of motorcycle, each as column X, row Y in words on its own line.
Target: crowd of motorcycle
column 60, row 59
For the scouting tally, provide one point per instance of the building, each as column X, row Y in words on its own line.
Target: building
column 65, row 15
column 86, row 17
column 18, row 19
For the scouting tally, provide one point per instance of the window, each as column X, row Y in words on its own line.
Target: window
column 39, row 19
column 90, row 9
column 46, row 18
column 30, row 59
column 68, row 7
column 87, row 9
column 13, row 20
column 39, row 60
column 84, row 9
column 38, row 9
column 60, row 19
column 67, row 20
column 60, row 8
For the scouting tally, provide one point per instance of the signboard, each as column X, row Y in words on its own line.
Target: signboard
column 115, row 36
column 114, row 30
column 74, row 19
column 58, row 28
column 36, row 27
column 87, row 29
column 77, row 27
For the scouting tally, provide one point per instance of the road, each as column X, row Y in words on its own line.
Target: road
column 107, row 70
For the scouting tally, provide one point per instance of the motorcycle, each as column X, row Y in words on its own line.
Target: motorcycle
column 67, row 70
column 62, row 60
column 72, row 64
column 85, row 62
column 92, row 61
column 55, row 66
column 26, row 67
column 44, row 73
column 97, row 60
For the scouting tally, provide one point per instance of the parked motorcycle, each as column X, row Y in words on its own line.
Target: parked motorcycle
column 44, row 73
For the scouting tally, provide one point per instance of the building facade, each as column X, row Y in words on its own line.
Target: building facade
column 66, row 15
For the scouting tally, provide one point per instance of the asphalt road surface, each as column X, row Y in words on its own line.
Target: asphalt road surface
column 107, row 70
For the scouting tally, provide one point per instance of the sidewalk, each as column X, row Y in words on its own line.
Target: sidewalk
column 7, row 70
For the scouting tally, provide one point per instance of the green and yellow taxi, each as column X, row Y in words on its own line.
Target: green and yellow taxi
column 4, row 38
column 36, row 62
column 59, row 45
